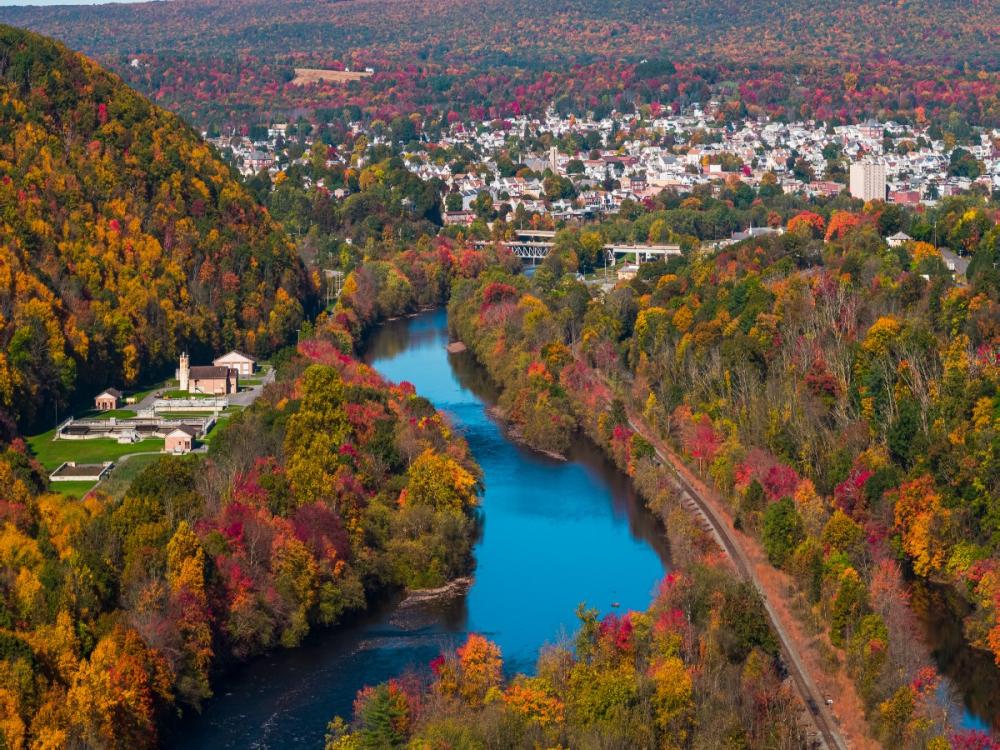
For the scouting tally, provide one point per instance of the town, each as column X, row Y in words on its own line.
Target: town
column 500, row 374
column 578, row 167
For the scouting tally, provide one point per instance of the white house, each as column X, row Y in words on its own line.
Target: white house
column 238, row 361
column 897, row 239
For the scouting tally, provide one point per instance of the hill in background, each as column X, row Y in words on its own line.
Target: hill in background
column 229, row 61
column 123, row 239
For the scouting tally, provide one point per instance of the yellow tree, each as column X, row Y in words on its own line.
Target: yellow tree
column 924, row 524
column 480, row 668
column 438, row 481
column 674, row 701
column 186, row 578
column 114, row 696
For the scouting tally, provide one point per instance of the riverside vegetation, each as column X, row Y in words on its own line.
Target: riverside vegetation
column 841, row 395
column 332, row 488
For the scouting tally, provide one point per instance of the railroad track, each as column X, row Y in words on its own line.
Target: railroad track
column 707, row 518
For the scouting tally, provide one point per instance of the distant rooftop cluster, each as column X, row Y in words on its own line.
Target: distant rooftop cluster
column 622, row 157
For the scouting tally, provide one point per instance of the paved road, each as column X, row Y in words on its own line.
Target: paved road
column 245, row 398
column 146, row 402
column 811, row 695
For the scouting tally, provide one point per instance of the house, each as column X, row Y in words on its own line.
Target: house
column 871, row 129
column 179, row 440
column 905, row 197
column 459, row 218
column 898, row 239
column 107, row 399
column 628, row 272
column 238, row 361
column 955, row 263
column 207, row 379
column 214, row 380
column 258, row 160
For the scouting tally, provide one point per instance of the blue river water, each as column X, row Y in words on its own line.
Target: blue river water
column 555, row 534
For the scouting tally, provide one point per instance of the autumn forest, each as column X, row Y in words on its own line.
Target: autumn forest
column 811, row 414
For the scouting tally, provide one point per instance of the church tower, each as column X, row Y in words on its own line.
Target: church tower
column 184, row 372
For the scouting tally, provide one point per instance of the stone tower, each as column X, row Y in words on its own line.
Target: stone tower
column 184, row 372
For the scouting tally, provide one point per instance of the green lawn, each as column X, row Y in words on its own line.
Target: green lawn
column 185, row 394
column 75, row 489
column 51, row 452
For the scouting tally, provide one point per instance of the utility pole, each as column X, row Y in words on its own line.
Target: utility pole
column 334, row 285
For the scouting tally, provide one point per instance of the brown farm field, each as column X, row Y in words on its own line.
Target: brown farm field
column 305, row 76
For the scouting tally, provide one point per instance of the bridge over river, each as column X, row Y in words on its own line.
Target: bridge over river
column 535, row 244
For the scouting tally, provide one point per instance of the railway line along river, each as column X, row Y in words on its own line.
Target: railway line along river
column 555, row 534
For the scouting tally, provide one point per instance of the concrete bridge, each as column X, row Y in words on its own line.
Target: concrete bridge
column 535, row 244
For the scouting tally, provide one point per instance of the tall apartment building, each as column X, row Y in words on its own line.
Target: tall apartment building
column 868, row 180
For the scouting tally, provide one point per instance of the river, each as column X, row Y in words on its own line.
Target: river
column 555, row 534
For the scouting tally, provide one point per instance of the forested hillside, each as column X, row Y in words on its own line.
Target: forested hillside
column 117, row 610
column 123, row 239
column 220, row 63
column 841, row 396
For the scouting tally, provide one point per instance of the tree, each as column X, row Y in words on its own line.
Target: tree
column 924, row 524
column 186, row 578
column 116, row 693
column 849, row 605
column 841, row 223
column 963, row 164
column 437, row 481
column 384, row 715
column 807, row 223
column 482, row 204
column 480, row 668
column 674, row 701
column 782, row 530
column 453, row 201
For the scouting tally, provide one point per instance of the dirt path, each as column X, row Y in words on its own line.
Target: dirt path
column 841, row 726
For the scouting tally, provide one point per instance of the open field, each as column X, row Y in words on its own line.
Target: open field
column 51, row 453
column 305, row 76
column 75, row 489
column 185, row 394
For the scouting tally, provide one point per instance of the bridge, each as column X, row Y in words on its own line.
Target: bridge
column 535, row 244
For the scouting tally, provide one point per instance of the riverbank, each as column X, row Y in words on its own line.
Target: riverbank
column 841, row 720
column 512, row 431
column 535, row 564
column 736, row 546
column 520, row 338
